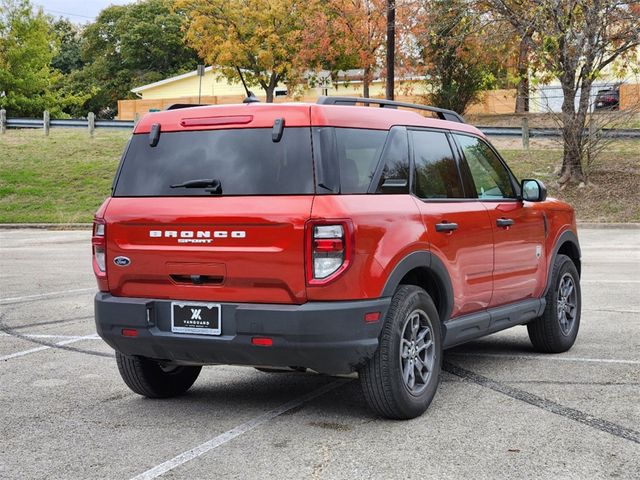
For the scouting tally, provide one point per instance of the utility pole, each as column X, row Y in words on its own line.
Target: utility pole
column 200, row 73
column 391, row 47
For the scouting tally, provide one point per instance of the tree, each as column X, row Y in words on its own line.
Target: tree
column 27, row 46
column 261, row 37
column 459, row 55
column 128, row 46
column 347, row 29
column 69, row 56
column 574, row 42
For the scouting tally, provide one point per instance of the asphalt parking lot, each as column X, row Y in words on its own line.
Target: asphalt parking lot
column 502, row 410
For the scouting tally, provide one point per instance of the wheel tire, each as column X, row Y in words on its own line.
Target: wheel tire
column 149, row 378
column 556, row 330
column 383, row 377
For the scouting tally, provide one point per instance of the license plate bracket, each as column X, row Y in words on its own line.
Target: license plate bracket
column 196, row 318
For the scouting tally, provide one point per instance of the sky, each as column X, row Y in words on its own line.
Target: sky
column 78, row 11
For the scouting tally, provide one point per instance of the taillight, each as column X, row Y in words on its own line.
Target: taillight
column 329, row 250
column 98, row 242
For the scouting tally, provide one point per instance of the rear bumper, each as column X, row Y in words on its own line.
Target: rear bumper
column 329, row 337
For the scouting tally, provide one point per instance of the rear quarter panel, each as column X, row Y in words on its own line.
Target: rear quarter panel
column 387, row 228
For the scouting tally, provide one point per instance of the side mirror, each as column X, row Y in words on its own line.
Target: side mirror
column 533, row 190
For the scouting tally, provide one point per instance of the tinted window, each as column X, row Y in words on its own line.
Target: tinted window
column 436, row 173
column 490, row 176
column 395, row 157
column 347, row 157
column 246, row 161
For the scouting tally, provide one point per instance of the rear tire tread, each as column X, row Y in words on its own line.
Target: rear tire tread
column 375, row 376
column 145, row 377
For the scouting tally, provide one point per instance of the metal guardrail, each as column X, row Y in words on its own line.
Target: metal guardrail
column 67, row 123
column 490, row 131
column 556, row 132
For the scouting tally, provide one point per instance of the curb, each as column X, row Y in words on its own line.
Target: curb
column 47, row 226
column 623, row 226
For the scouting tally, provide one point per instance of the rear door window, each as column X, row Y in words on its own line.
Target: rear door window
column 436, row 171
column 245, row 161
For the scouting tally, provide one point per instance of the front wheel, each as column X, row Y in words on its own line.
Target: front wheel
column 154, row 379
column 556, row 330
column 401, row 379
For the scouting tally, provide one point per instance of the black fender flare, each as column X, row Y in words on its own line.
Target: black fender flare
column 428, row 260
column 567, row 236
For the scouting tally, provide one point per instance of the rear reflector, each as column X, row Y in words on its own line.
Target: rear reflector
column 371, row 317
column 129, row 332
column 262, row 341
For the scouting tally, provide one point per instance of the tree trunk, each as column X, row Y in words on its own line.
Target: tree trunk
column 365, row 82
column 269, row 91
column 271, row 87
column 572, row 135
column 522, row 67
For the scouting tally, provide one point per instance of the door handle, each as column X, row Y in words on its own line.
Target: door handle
column 446, row 227
column 504, row 222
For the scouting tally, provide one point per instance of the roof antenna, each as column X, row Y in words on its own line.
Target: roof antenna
column 251, row 98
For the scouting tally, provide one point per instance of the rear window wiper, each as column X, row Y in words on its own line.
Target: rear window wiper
column 211, row 185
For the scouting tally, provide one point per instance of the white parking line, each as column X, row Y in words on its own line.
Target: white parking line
column 4, row 301
column 46, row 347
column 64, row 337
column 547, row 357
column 235, row 432
column 610, row 281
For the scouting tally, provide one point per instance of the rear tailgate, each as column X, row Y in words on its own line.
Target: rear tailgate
column 210, row 204
column 227, row 249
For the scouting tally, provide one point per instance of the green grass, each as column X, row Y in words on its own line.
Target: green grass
column 63, row 178
column 612, row 191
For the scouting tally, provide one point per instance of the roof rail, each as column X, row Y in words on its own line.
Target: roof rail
column 177, row 106
column 442, row 113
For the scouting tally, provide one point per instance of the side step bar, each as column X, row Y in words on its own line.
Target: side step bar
column 468, row 327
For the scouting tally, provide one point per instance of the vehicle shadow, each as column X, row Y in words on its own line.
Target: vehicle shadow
column 248, row 391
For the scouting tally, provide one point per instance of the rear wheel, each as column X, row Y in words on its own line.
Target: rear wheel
column 155, row 379
column 401, row 379
column 556, row 330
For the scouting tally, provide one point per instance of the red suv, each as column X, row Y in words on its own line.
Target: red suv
column 330, row 237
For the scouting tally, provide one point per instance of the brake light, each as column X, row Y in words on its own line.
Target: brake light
column 98, row 242
column 329, row 250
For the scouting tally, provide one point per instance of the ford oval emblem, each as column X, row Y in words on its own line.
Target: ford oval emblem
column 121, row 261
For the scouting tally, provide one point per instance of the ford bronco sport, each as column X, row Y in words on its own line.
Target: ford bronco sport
column 331, row 237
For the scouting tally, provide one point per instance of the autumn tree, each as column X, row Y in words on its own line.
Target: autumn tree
column 261, row 37
column 574, row 42
column 346, row 29
column 459, row 50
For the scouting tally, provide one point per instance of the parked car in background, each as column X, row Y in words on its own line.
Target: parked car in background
column 608, row 99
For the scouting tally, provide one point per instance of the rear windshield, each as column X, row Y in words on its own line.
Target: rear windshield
column 244, row 161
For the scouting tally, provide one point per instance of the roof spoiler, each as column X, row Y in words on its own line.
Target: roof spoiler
column 442, row 113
